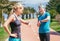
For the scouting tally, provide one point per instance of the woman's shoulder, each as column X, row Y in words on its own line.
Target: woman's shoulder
column 11, row 16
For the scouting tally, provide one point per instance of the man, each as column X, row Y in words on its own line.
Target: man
column 44, row 24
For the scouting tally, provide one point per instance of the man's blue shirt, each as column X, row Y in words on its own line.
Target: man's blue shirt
column 44, row 26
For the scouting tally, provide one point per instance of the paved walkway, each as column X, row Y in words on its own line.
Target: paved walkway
column 31, row 33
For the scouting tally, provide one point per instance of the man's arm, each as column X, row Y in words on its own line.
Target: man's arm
column 38, row 23
column 46, row 19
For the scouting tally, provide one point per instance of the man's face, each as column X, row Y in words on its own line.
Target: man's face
column 41, row 10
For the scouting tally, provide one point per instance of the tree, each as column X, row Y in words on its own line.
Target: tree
column 5, row 6
column 52, row 6
column 58, row 8
column 3, row 3
column 29, row 10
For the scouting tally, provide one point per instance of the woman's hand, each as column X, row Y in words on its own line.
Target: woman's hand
column 13, row 35
column 29, row 24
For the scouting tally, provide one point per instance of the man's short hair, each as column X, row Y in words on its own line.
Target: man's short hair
column 41, row 6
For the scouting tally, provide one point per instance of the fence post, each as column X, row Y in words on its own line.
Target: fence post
column 28, row 16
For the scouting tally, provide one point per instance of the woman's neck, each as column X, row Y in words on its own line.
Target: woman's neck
column 16, row 14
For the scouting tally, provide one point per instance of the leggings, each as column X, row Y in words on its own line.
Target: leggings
column 44, row 36
column 14, row 39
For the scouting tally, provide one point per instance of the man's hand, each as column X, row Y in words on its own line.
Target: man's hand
column 38, row 24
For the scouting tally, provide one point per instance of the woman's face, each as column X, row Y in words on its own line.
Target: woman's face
column 20, row 10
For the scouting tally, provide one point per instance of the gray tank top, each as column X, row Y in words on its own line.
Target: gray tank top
column 15, row 27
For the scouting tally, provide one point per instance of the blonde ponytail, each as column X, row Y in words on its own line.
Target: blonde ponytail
column 14, row 8
column 11, row 12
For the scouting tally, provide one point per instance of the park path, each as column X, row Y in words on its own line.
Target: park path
column 31, row 33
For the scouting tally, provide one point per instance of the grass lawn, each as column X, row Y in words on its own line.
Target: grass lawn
column 55, row 26
column 3, row 34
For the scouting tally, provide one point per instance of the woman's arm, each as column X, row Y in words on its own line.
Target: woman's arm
column 5, row 25
column 23, row 21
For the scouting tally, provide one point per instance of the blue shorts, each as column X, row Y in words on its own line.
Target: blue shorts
column 14, row 39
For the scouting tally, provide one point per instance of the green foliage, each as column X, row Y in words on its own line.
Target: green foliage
column 53, row 7
column 58, row 8
column 52, row 4
column 4, row 1
column 3, row 34
column 55, row 26
column 53, row 13
column 28, row 10
column 5, row 6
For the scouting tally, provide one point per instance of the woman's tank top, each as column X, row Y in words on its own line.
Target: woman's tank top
column 15, row 27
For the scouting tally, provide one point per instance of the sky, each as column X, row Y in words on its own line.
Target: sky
column 35, row 1
column 32, row 1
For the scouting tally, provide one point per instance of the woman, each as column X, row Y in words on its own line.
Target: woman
column 15, row 22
